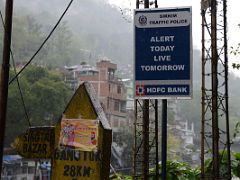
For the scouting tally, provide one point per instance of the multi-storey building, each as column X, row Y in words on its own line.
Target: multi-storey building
column 109, row 88
column 17, row 168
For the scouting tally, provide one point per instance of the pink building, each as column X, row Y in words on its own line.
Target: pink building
column 109, row 89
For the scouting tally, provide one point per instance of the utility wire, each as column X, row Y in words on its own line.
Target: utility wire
column 18, row 83
column 114, row 171
column 44, row 42
column 20, row 90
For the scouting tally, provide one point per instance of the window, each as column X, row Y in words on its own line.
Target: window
column 24, row 169
column 108, row 103
column 9, row 172
column 123, row 123
column 116, row 106
column 111, row 74
column 115, row 123
column 123, row 106
column 31, row 170
column 119, row 89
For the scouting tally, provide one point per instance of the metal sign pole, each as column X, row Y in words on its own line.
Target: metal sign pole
column 164, row 139
column 145, row 139
column 146, row 128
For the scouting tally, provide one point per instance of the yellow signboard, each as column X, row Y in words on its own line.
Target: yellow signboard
column 36, row 142
column 79, row 133
column 82, row 139
column 80, row 148
column 72, row 164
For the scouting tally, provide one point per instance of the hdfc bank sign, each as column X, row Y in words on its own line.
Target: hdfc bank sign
column 163, row 53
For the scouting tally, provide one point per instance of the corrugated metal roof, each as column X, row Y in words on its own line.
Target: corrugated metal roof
column 80, row 68
column 9, row 158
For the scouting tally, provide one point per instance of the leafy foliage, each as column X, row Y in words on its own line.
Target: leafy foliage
column 223, row 165
column 175, row 171
column 181, row 171
column 84, row 35
column 178, row 171
column 120, row 177
column 27, row 36
column 235, row 164
column 45, row 96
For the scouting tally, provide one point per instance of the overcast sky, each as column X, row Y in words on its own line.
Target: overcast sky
column 233, row 19
column 233, row 16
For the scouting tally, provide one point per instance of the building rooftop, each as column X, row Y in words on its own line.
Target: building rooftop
column 81, row 68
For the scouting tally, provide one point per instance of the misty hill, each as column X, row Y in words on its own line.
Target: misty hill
column 98, row 27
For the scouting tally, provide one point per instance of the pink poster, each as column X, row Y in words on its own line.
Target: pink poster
column 79, row 133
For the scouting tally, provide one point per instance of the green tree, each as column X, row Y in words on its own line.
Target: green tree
column 59, row 48
column 26, row 37
column 45, row 96
column 236, row 164
column 177, row 171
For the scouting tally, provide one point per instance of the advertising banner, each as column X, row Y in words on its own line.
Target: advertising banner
column 163, row 53
column 79, row 133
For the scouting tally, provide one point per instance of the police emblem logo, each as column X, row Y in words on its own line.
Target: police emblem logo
column 142, row 20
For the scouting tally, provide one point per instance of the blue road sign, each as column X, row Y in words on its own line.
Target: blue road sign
column 163, row 53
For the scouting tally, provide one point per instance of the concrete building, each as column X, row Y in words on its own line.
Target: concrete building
column 109, row 88
column 17, row 168
column 128, row 83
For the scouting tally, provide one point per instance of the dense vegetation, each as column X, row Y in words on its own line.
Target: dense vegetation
column 45, row 96
column 83, row 35
column 182, row 171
